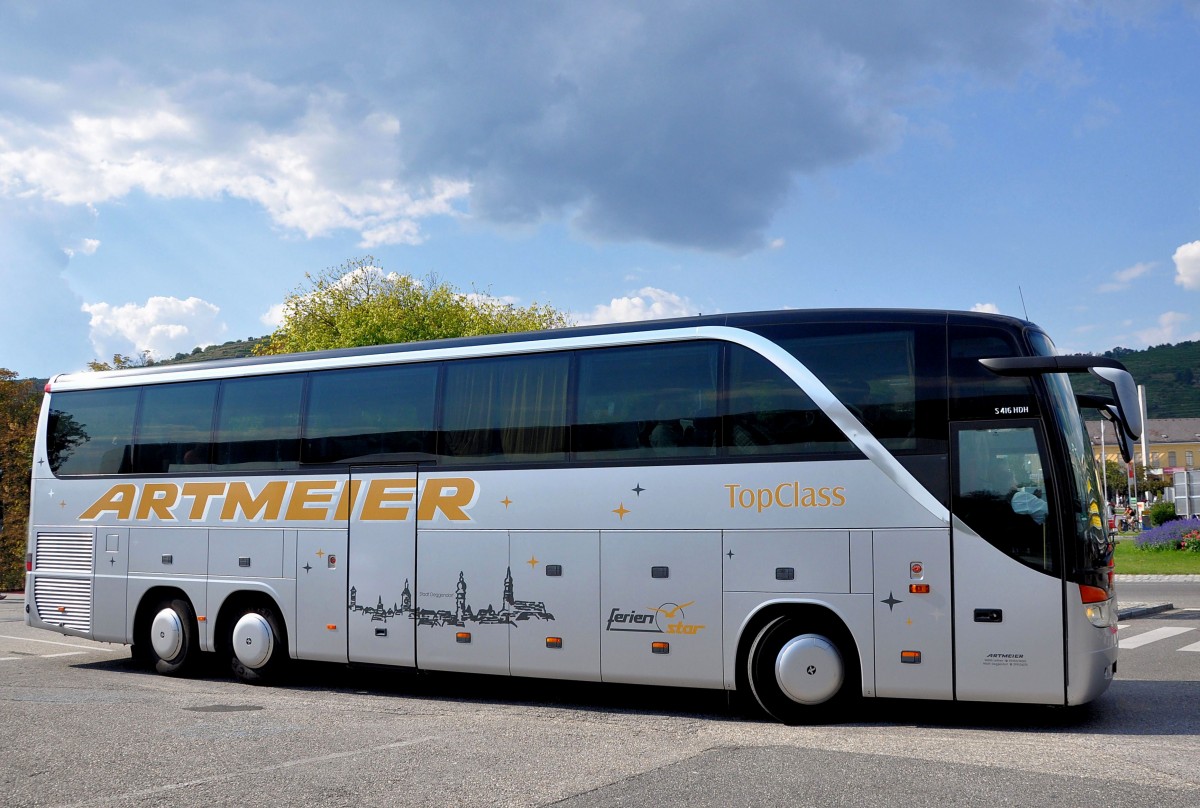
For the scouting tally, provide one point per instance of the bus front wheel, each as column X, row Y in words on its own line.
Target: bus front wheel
column 258, row 646
column 172, row 637
column 798, row 674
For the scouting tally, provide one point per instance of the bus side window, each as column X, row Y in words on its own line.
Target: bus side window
column 258, row 426
column 1000, row 492
column 91, row 431
column 769, row 414
column 375, row 413
column 175, row 428
column 647, row 401
column 506, row 409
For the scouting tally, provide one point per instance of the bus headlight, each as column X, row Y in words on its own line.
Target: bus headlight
column 1100, row 608
column 1101, row 614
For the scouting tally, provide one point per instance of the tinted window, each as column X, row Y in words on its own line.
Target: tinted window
column 91, row 431
column 1001, row 492
column 648, row 401
column 892, row 377
column 258, row 426
column 506, row 409
column 371, row 414
column 175, row 428
column 976, row 392
column 769, row 414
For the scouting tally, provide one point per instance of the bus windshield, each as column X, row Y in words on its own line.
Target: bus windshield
column 1082, row 487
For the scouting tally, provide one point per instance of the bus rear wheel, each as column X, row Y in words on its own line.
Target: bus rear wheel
column 798, row 673
column 257, row 645
column 171, row 642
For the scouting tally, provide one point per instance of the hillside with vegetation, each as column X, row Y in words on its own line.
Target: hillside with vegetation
column 1171, row 374
column 234, row 349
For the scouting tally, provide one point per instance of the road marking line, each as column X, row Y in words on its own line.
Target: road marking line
column 1153, row 635
column 64, row 653
column 52, row 642
column 1193, row 647
column 259, row 770
column 9, row 658
column 1122, row 625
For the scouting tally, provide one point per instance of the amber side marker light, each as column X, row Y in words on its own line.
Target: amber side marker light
column 554, row 642
column 1092, row 594
column 660, row 647
column 463, row 636
column 919, row 589
column 910, row 657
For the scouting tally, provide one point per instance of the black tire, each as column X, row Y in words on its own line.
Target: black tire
column 262, row 643
column 170, row 641
column 802, row 673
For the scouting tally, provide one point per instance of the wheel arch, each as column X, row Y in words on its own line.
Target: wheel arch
column 150, row 599
column 236, row 604
column 822, row 617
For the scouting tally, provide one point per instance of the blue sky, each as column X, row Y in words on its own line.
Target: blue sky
column 169, row 174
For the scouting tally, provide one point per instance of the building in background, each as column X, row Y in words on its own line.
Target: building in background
column 1173, row 444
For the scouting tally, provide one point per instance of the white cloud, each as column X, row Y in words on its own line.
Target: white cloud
column 273, row 317
column 1187, row 265
column 328, row 169
column 164, row 326
column 1167, row 330
column 87, row 246
column 1123, row 279
column 597, row 111
column 647, row 303
column 986, row 308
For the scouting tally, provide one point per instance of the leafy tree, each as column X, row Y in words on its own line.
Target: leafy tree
column 356, row 303
column 20, row 402
column 1117, row 476
column 121, row 362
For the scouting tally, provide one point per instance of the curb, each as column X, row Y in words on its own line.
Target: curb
column 1142, row 610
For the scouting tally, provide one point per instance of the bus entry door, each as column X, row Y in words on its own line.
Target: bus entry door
column 1008, row 591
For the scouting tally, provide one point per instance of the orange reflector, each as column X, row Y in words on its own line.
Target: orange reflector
column 919, row 589
column 910, row 657
column 1092, row 594
column 660, row 647
column 463, row 636
column 331, row 626
column 201, row 618
column 62, row 609
column 554, row 642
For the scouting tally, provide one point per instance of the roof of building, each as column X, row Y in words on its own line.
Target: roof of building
column 1158, row 430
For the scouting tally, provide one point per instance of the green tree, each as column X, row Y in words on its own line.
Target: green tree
column 121, row 362
column 356, row 303
column 20, row 401
column 1117, row 476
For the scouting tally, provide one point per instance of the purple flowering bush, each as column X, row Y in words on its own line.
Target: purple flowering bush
column 1180, row 534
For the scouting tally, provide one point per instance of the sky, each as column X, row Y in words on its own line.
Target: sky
column 169, row 172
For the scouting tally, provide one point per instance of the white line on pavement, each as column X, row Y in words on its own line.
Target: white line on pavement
column 1152, row 636
column 52, row 642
